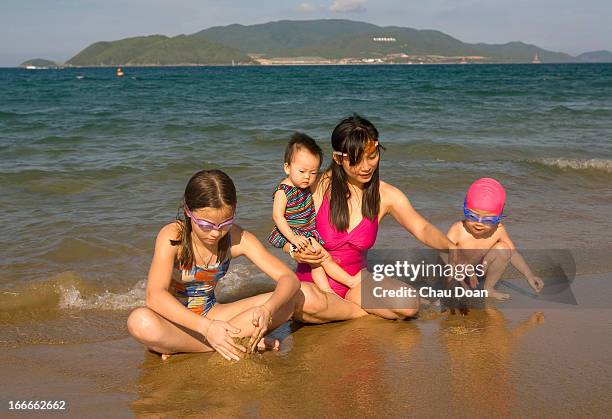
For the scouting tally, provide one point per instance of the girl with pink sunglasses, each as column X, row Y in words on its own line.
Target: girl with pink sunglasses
column 191, row 256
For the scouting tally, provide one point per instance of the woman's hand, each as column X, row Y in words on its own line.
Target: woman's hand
column 262, row 319
column 218, row 336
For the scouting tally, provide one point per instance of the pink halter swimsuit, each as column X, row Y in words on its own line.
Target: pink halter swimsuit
column 348, row 249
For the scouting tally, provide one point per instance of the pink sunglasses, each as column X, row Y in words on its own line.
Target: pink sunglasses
column 208, row 226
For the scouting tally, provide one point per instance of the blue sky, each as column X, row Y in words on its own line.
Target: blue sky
column 58, row 29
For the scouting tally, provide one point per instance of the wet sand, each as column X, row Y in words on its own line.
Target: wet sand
column 552, row 360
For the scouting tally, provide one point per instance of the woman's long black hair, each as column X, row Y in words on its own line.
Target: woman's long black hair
column 351, row 136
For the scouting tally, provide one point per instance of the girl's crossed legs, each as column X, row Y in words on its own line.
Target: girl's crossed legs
column 165, row 337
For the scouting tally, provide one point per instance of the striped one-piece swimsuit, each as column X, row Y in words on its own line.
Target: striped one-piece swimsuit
column 195, row 287
column 300, row 215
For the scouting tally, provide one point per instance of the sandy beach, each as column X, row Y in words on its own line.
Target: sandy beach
column 549, row 361
column 92, row 167
column 455, row 156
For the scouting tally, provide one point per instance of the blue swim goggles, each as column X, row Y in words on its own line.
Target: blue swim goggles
column 489, row 219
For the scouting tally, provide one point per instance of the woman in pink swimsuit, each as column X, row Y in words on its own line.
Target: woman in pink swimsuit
column 351, row 200
column 348, row 249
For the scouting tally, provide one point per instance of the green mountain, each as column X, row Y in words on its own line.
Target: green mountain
column 520, row 52
column 332, row 39
column 601, row 56
column 327, row 39
column 336, row 39
column 284, row 38
column 39, row 62
column 407, row 41
column 157, row 50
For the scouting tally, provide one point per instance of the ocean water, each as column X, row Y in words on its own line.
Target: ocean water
column 91, row 165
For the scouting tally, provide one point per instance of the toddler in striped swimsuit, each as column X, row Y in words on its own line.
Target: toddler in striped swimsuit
column 294, row 212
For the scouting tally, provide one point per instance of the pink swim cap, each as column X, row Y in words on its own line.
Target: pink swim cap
column 486, row 194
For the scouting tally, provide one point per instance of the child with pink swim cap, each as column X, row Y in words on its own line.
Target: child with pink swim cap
column 484, row 239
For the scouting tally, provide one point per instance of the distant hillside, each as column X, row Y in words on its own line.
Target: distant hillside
column 407, row 40
column 38, row 62
column 346, row 38
column 284, row 38
column 157, row 50
column 521, row 52
column 327, row 39
column 602, row 56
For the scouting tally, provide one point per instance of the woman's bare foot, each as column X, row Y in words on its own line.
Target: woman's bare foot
column 502, row 296
column 165, row 357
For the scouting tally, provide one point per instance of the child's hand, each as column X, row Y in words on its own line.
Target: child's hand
column 262, row 319
column 312, row 257
column 300, row 242
column 536, row 283
column 218, row 336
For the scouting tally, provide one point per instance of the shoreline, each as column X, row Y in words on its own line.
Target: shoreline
column 436, row 364
column 186, row 65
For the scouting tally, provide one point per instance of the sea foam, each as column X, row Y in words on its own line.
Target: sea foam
column 604, row 165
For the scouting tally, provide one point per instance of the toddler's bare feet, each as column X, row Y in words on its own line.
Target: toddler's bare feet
column 165, row 357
